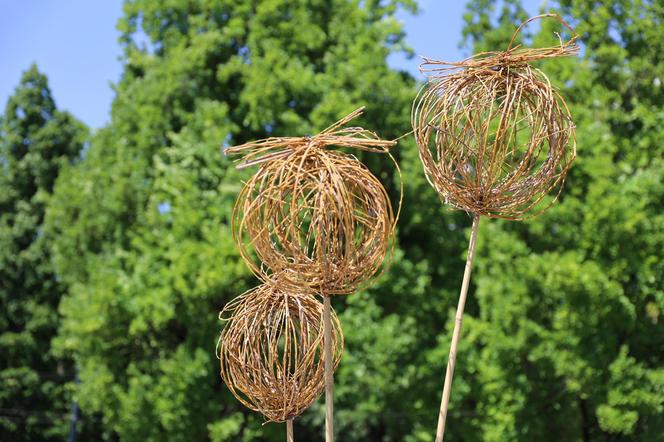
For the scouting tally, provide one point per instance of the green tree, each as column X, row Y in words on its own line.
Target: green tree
column 142, row 223
column 36, row 142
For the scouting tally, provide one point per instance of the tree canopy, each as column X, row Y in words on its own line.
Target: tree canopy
column 36, row 142
column 563, row 328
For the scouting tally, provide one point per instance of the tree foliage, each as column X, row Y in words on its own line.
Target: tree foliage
column 562, row 337
column 36, row 142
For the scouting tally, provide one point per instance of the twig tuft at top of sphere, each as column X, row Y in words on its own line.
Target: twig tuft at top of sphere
column 317, row 217
column 271, row 349
column 494, row 136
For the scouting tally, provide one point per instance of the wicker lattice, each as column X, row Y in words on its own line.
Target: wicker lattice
column 271, row 349
column 318, row 217
column 494, row 136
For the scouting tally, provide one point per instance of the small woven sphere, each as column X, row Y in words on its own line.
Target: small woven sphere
column 271, row 350
column 317, row 217
column 494, row 140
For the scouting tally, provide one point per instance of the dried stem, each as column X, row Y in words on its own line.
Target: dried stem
column 451, row 360
column 329, row 371
column 289, row 431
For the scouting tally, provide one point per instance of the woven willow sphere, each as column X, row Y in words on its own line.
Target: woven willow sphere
column 317, row 217
column 494, row 136
column 271, row 350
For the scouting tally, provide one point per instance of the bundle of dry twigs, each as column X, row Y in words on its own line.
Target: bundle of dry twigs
column 494, row 136
column 271, row 349
column 318, row 217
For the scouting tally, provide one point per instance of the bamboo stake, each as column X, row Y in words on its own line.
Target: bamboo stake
column 329, row 371
column 289, row 431
column 451, row 361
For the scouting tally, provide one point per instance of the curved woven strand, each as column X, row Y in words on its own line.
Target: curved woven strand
column 317, row 217
column 512, row 56
column 495, row 141
column 278, row 148
column 271, row 349
column 556, row 17
column 329, row 226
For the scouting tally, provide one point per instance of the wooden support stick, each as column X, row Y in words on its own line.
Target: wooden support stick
column 329, row 371
column 289, row 431
column 451, row 360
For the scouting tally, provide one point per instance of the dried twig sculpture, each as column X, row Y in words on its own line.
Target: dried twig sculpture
column 494, row 138
column 271, row 349
column 317, row 218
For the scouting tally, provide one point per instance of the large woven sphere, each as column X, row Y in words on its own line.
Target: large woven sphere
column 271, row 350
column 318, row 217
column 493, row 135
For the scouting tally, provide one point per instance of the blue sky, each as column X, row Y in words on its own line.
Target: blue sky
column 75, row 43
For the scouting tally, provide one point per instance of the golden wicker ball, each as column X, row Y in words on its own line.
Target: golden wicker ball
column 318, row 217
column 494, row 136
column 271, row 349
